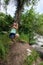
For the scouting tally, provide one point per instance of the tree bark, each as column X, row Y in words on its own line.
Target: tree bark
column 19, row 10
column 17, row 16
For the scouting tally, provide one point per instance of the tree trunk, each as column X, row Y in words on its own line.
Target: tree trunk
column 18, row 11
column 17, row 16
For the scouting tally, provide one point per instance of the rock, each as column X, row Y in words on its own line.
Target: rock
column 28, row 52
column 39, row 49
column 39, row 39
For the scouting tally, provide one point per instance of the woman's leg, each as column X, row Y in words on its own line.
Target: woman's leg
column 17, row 35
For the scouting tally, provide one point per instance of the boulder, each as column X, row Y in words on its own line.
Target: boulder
column 39, row 49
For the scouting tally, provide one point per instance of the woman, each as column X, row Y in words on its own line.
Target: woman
column 13, row 32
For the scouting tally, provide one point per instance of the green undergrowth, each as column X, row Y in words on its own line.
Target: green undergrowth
column 41, row 63
column 29, row 60
column 24, row 37
column 4, row 45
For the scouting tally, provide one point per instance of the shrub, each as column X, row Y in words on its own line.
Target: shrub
column 5, row 22
column 4, row 45
column 24, row 37
column 2, row 51
column 31, row 58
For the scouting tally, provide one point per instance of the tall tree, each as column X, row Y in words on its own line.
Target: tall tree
column 20, row 5
column 6, row 3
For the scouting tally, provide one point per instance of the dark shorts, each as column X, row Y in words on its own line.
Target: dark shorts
column 12, row 35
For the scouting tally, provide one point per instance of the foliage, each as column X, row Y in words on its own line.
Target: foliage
column 23, row 37
column 6, row 2
column 5, row 22
column 27, row 25
column 21, row 3
column 20, row 7
column 41, row 63
column 29, row 60
column 4, row 45
column 2, row 51
column 40, row 24
column 31, row 22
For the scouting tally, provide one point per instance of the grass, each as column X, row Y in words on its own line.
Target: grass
column 24, row 37
column 5, row 41
column 29, row 60
column 4, row 45
column 41, row 63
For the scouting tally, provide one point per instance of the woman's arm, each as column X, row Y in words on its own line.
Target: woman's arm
column 15, row 25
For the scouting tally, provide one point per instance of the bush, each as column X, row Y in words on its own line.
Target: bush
column 2, row 51
column 27, row 38
column 27, row 25
column 31, row 58
column 4, row 45
column 5, row 22
column 24, row 37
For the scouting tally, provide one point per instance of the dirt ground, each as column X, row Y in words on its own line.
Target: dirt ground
column 16, row 54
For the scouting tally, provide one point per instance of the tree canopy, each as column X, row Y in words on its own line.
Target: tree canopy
column 20, row 5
